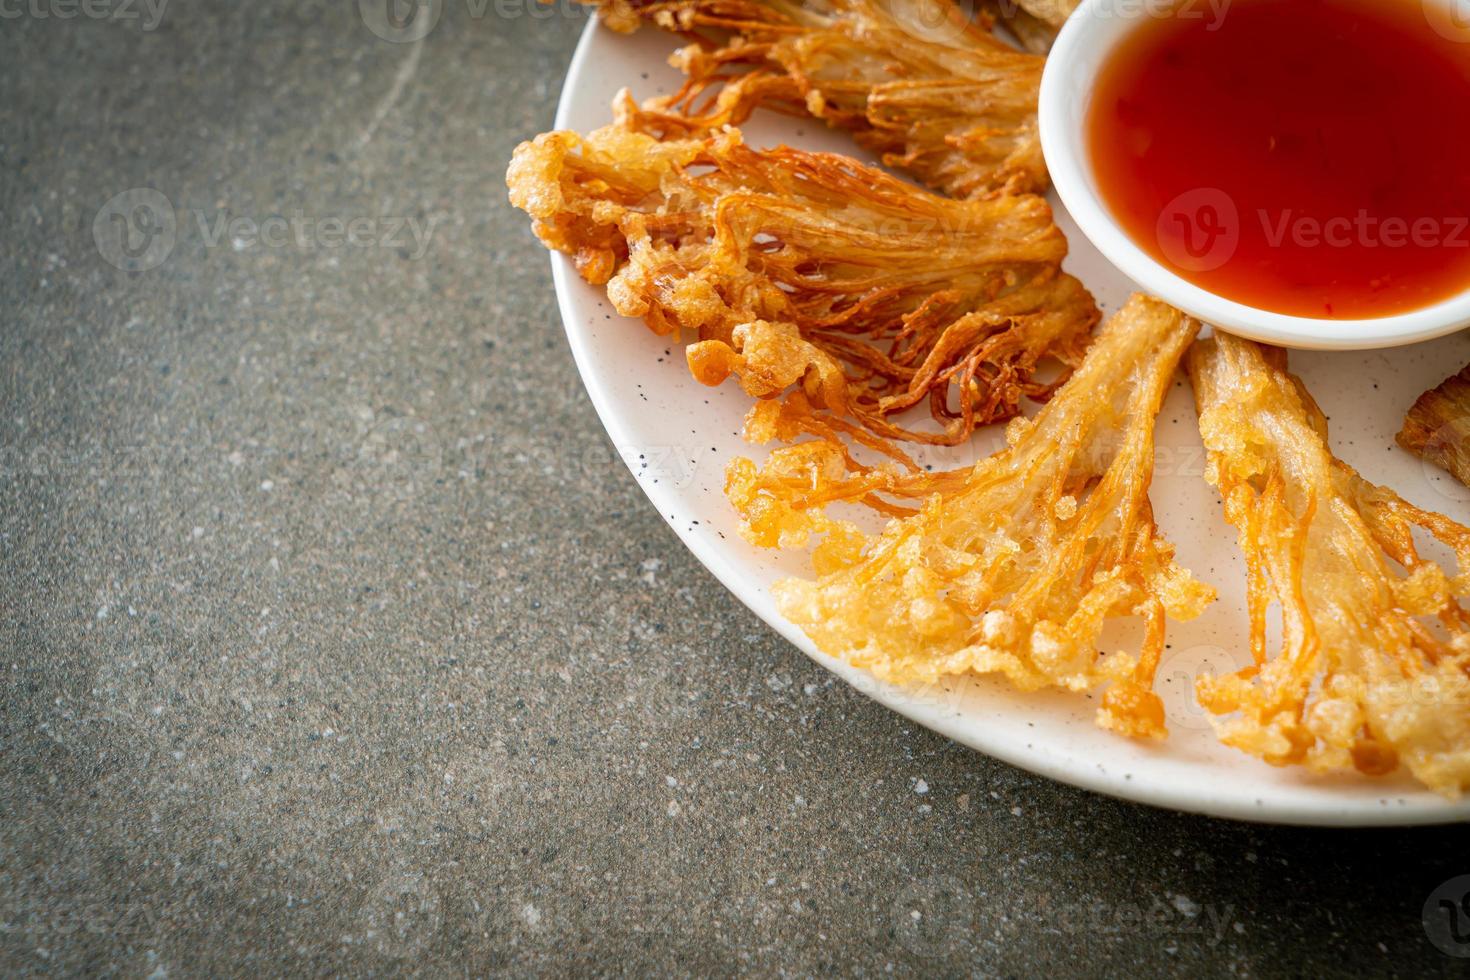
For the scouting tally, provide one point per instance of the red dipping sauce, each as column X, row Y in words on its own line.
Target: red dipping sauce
column 1307, row 157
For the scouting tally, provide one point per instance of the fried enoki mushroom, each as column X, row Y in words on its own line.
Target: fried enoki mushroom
column 1053, row 12
column 1437, row 428
column 1034, row 33
column 1013, row 566
column 1373, row 669
column 920, row 83
column 809, row 270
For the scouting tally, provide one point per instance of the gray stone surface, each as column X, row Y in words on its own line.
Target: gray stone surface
column 328, row 641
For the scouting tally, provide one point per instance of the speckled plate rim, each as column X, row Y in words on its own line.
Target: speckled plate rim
column 1189, row 796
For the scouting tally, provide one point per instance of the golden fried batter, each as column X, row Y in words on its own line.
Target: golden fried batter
column 1053, row 12
column 811, row 271
column 1032, row 32
column 1437, row 428
column 1010, row 567
column 1374, row 665
column 917, row 82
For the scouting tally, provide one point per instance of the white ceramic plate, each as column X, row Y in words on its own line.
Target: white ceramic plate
column 677, row 435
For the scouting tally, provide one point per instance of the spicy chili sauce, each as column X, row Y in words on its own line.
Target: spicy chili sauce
column 1308, row 157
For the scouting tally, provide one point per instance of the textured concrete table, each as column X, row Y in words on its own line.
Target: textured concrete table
column 336, row 637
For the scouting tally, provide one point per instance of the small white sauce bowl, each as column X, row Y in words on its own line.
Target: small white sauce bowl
column 1083, row 48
